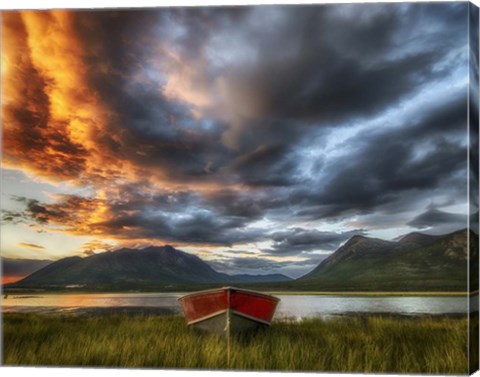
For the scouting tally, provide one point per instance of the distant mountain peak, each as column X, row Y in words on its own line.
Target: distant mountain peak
column 369, row 243
column 152, row 265
column 417, row 261
column 159, row 248
column 357, row 238
column 417, row 237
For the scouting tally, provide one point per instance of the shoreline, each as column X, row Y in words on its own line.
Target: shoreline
column 19, row 291
column 373, row 293
column 133, row 311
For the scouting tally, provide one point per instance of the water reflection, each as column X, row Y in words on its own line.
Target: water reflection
column 311, row 306
column 299, row 306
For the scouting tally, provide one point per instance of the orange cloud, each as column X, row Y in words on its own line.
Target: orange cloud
column 57, row 126
column 51, row 118
column 91, row 247
column 71, row 213
column 185, row 82
column 60, row 126
column 34, row 138
column 30, row 245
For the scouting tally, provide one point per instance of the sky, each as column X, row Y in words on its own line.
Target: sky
column 258, row 138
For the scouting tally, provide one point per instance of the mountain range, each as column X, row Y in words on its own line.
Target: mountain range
column 416, row 262
column 132, row 268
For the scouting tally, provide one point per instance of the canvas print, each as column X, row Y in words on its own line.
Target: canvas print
column 262, row 187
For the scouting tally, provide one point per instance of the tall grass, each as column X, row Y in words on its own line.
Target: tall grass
column 351, row 344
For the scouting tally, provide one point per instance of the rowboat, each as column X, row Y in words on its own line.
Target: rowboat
column 228, row 309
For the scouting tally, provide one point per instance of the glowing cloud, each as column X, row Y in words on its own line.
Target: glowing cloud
column 30, row 245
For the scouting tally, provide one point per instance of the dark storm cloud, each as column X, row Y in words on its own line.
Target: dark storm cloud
column 319, row 66
column 263, row 264
column 406, row 163
column 302, row 71
column 197, row 228
column 267, row 165
column 192, row 28
column 376, row 181
column 71, row 212
column 174, row 217
column 231, row 203
column 148, row 129
column 237, row 207
column 342, row 90
column 445, row 119
column 302, row 241
column 12, row 217
column 274, row 85
column 184, row 217
column 435, row 217
column 34, row 211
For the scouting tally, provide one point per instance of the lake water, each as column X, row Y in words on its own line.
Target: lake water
column 296, row 306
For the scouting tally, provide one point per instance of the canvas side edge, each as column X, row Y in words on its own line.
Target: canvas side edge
column 473, row 187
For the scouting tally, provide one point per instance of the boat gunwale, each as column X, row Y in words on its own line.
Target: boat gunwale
column 248, row 291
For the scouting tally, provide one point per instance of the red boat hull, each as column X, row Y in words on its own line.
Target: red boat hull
column 237, row 309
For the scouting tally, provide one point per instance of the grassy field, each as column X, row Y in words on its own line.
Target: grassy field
column 345, row 344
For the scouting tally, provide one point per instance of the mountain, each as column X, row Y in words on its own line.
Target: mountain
column 21, row 267
column 417, row 262
column 133, row 268
column 246, row 278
